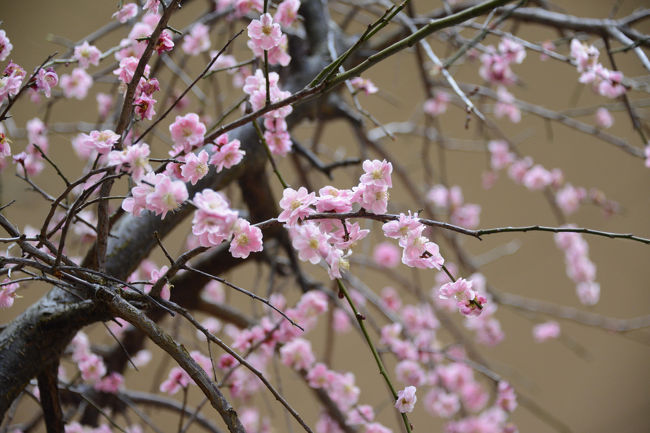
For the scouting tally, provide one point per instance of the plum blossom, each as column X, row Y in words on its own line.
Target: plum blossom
column 287, row 12
column 226, row 153
column 11, row 80
column 100, row 141
column 505, row 106
column 386, row 255
column 438, row 104
column 297, row 354
column 195, row 167
column 127, row 12
column 87, row 55
column 468, row 301
column 377, row 173
column 177, row 379
column 167, row 196
column 46, row 79
column 546, row 331
column 246, row 239
column 197, row 40
column 5, row 46
column 406, row 399
column 296, row 205
column 77, row 84
column 364, row 85
column 264, row 33
column 187, row 131
column 604, row 118
column 8, row 293
column 213, row 221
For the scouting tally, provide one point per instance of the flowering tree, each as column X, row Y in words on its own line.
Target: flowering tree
column 211, row 129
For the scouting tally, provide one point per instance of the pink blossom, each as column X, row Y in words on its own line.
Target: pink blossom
column 92, row 368
column 104, row 104
column 165, row 42
column 377, row 173
column 29, row 163
column 167, row 196
column 319, row 376
column 77, row 84
column 371, row 197
column 410, row 373
column 505, row 106
column 144, row 107
column 111, row 383
column 442, row 404
column 403, row 227
column 438, row 104
column 344, row 391
column 297, row 354
column 467, row 300
column 279, row 142
column 187, row 131
column 296, row 205
column 126, row 69
column 361, row 415
column 603, row 118
column 548, row 46
column 127, row 12
column 136, row 157
column 195, row 167
column 87, row 55
column 46, row 79
column 197, row 40
column 5, row 46
column 588, row 292
column 420, row 252
column 331, row 199
column 8, row 293
column 386, row 255
column 364, row 85
column 264, row 33
column 11, row 80
column 101, row 141
column 5, row 147
column 213, row 221
column 506, row 398
column 242, row 7
column 546, row 331
column 519, row 168
column 37, row 134
column 611, row 84
column 474, row 397
column 586, row 56
column 406, row 399
column 287, row 12
column 647, row 156
column 337, row 261
column 311, row 243
column 512, row 51
column 151, row 6
column 227, row 153
column 568, row 198
column 246, row 239
column 501, row 156
column 496, row 69
column 177, row 379
column 466, row 215
column 537, row 178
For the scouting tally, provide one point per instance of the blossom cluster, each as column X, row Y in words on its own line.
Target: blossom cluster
column 579, row 267
column 451, row 200
column 606, row 82
column 535, row 177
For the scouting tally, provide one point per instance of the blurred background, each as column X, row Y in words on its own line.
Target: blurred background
column 592, row 380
